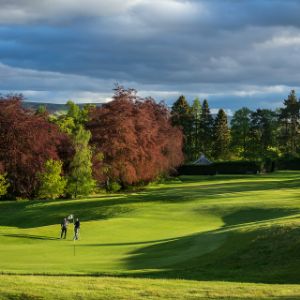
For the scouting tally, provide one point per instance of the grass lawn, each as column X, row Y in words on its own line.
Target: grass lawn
column 243, row 230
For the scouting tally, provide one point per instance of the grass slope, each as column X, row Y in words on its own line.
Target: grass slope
column 222, row 228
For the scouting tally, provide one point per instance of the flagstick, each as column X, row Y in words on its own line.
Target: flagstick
column 74, row 246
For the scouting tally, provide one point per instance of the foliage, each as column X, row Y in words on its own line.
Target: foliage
column 27, row 142
column 240, row 128
column 3, row 185
column 290, row 120
column 136, row 139
column 41, row 110
column 262, row 134
column 206, row 130
column 221, row 136
column 52, row 184
column 196, row 110
column 114, row 187
column 181, row 116
column 80, row 180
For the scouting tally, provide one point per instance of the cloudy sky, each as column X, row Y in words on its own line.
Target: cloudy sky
column 232, row 52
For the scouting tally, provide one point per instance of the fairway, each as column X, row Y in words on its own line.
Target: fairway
column 241, row 229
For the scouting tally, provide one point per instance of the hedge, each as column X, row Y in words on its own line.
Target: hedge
column 226, row 167
column 288, row 164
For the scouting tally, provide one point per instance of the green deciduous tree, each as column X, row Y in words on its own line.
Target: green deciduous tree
column 221, row 136
column 262, row 134
column 52, row 183
column 240, row 128
column 80, row 179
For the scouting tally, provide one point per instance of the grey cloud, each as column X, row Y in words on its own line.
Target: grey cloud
column 241, row 50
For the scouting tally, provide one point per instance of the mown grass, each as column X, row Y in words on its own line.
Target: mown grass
column 215, row 228
column 108, row 288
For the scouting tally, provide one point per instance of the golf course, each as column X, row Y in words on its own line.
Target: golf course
column 194, row 237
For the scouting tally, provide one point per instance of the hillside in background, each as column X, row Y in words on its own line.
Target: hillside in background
column 52, row 107
column 56, row 107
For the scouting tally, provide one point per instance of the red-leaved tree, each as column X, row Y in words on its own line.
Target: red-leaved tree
column 136, row 139
column 27, row 141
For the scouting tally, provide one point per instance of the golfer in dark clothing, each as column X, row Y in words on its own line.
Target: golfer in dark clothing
column 76, row 229
column 64, row 228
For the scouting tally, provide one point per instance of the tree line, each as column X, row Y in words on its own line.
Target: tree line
column 128, row 141
column 252, row 135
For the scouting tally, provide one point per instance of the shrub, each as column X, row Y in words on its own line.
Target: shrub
column 3, row 185
column 114, row 187
column 288, row 163
column 226, row 167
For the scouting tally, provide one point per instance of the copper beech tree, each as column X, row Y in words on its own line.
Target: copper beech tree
column 135, row 139
column 27, row 141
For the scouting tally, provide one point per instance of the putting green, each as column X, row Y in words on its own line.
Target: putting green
column 202, row 228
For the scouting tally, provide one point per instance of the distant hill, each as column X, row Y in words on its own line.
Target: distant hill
column 51, row 107
column 54, row 107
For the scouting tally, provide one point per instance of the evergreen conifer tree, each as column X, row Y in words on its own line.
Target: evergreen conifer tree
column 181, row 116
column 196, row 110
column 290, row 124
column 221, row 136
column 206, row 129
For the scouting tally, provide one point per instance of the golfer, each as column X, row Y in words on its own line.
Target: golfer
column 76, row 229
column 64, row 228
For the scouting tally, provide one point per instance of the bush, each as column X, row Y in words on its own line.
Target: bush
column 288, row 163
column 226, row 167
column 114, row 187
column 3, row 185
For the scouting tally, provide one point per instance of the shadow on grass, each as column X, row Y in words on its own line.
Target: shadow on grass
column 30, row 236
column 266, row 255
column 263, row 256
column 129, row 243
column 30, row 214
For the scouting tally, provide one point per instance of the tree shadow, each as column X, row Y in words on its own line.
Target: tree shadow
column 31, row 236
column 265, row 255
column 129, row 243
column 30, row 214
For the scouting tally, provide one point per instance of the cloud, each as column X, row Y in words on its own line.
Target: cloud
column 28, row 11
column 231, row 52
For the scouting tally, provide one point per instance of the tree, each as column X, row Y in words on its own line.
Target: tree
column 262, row 134
column 206, row 129
column 181, row 116
column 196, row 110
column 136, row 139
column 27, row 142
column 221, row 136
column 80, row 180
column 240, row 128
column 41, row 110
column 52, row 183
column 3, row 185
column 290, row 124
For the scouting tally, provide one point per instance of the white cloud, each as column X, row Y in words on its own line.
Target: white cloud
column 25, row 11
